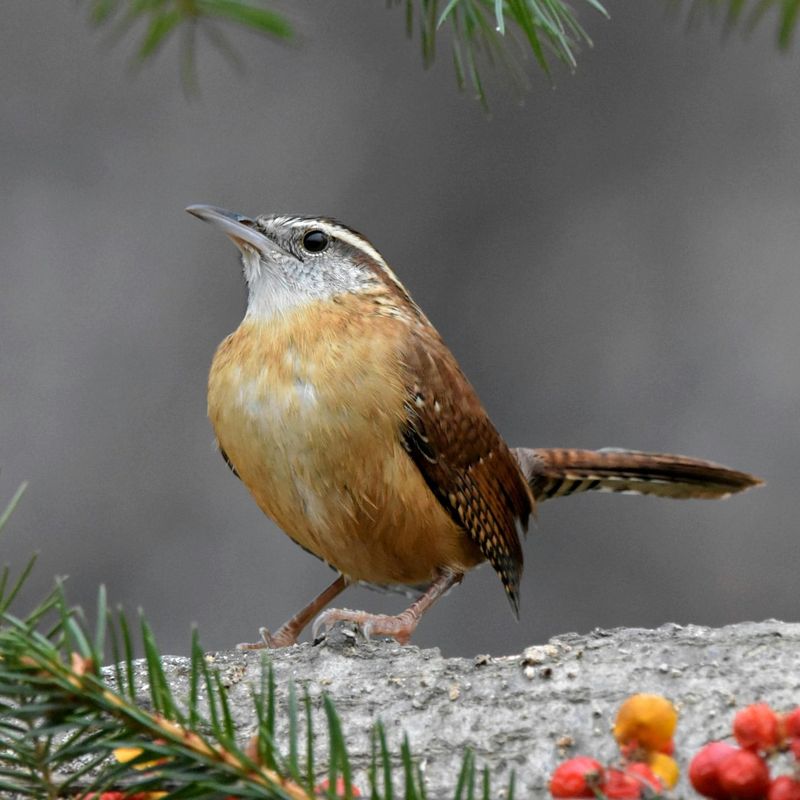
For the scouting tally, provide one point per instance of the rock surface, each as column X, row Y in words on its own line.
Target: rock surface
column 527, row 712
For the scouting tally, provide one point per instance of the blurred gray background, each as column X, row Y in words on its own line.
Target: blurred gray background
column 614, row 262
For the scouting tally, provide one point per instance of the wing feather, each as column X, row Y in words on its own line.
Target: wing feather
column 462, row 458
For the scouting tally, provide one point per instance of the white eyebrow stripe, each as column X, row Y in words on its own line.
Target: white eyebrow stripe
column 337, row 232
column 355, row 241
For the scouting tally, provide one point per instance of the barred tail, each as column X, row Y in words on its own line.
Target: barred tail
column 560, row 472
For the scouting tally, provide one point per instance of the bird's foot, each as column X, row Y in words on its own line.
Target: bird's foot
column 287, row 634
column 398, row 627
column 283, row 637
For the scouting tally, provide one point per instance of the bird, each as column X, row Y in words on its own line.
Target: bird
column 339, row 406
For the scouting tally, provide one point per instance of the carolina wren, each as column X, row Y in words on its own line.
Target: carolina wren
column 349, row 421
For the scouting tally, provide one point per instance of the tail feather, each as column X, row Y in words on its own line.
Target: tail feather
column 561, row 472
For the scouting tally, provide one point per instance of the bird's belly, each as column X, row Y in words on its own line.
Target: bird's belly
column 321, row 455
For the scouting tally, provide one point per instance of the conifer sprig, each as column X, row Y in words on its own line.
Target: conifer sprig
column 744, row 14
column 70, row 728
column 499, row 32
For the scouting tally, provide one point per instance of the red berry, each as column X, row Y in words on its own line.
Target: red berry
column 576, row 777
column 322, row 788
column 784, row 788
column 703, row 771
column 756, row 727
column 668, row 749
column 118, row 795
column 644, row 775
column 794, row 746
column 103, row 796
column 621, row 786
column 791, row 723
column 744, row 775
column 631, row 749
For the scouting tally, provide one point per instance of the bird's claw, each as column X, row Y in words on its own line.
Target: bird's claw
column 398, row 627
column 281, row 638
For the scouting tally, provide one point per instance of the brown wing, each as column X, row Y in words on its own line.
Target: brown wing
column 463, row 459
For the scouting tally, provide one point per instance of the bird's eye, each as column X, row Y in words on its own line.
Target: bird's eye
column 315, row 241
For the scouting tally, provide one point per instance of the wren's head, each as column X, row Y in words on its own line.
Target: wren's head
column 291, row 261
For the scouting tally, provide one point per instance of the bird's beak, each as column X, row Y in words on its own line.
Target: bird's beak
column 240, row 229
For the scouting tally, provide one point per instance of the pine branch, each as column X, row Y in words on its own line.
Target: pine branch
column 71, row 729
column 501, row 31
column 161, row 20
column 744, row 14
column 61, row 709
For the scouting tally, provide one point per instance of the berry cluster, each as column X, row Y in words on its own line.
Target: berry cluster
column 643, row 729
column 724, row 772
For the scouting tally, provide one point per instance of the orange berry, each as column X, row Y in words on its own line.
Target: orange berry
column 125, row 754
column 744, row 775
column 621, row 786
column 756, row 727
column 784, row 788
column 704, row 769
column 576, row 777
column 665, row 769
column 648, row 718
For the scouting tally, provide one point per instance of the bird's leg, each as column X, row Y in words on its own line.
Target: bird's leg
column 288, row 632
column 399, row 627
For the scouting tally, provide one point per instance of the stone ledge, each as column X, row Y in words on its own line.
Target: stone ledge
column 525, row 712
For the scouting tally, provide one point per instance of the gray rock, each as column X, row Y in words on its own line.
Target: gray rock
column 527, row 712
